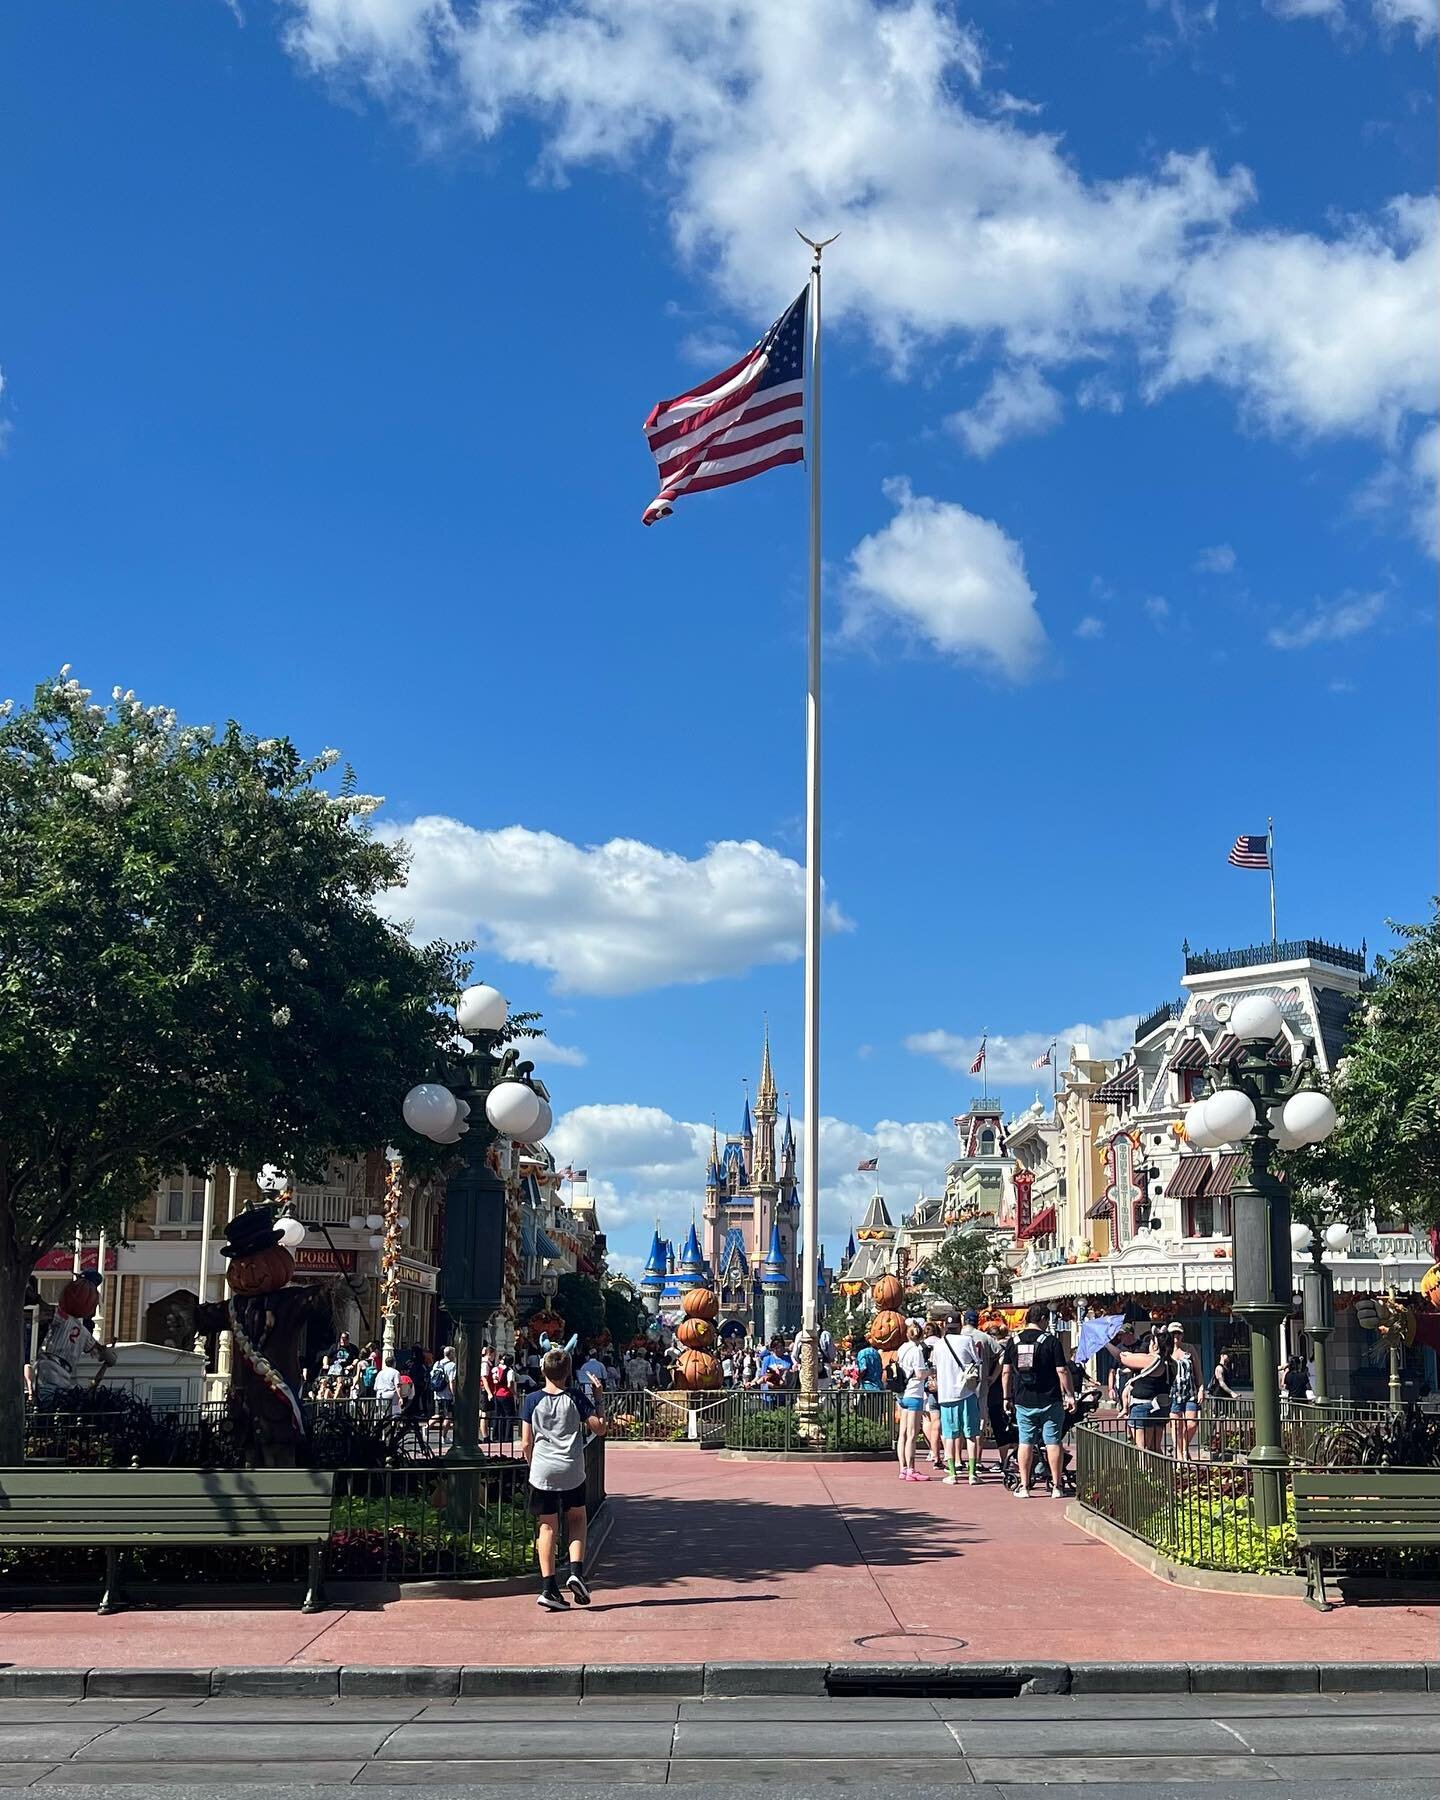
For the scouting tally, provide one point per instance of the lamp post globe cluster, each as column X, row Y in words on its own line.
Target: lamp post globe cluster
column 1317, row 1287
column 483, row 1093
column 1257, row 1107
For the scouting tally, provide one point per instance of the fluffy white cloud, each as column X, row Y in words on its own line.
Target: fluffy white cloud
column 610, row 918
column 543, row 1050
column 1425, row 479
column 1420, row 16
column 950, row 577
column 1017, row 403
column 1330, row 336
column 1328, row 622
column 1090, row 627
column 1010, row 1058
column 1218, row 559
column 638, row 1141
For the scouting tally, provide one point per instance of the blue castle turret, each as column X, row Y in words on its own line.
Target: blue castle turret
column 773, row 1281
column 675, row 1281
column 692, row 1263
column 652, row 1281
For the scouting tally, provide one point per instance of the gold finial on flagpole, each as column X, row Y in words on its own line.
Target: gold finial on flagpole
column 818, row 246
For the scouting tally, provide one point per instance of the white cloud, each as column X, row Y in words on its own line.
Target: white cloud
column 611, row 918
column 871, row 117
column 1018, row 403
column 1326, row 336
column 1327, row 622
column 1425, row 482
column 1420, row 16
column 624, row 1138
column 1099, row 394
column 950, row 577
column 1331, row 10
column 1010, row 1058
column 544, row 1050
column 1090, row 627
column 1218, row 559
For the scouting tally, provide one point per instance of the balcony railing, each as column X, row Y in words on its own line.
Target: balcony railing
column 1214, row 962
column 1167, row 1009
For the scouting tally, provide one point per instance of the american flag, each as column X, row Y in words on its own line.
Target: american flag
column 979, row 1062
column 741, row 422
column 1251, row 852
column 868, row 1168
column 1042, row 1062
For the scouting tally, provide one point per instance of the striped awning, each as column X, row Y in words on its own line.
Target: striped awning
column 1222, row 1178
column 1119, row 1087
column 1188, row 1178
column 1192, row 1054
column 1099, row 1209
column 1042, row 1225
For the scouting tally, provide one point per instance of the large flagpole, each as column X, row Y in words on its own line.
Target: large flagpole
column 810, row 1189
column 1270, row 858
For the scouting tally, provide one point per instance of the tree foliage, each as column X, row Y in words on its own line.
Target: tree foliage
column 580, row 1303
column 956, row 1272
column 1384, row 1156
column 192, row 970
column 625, row 1316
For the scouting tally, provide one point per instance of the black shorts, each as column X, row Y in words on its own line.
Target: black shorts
column 548, row 1503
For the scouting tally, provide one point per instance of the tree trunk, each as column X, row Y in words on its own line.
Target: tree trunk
column 13, row 1348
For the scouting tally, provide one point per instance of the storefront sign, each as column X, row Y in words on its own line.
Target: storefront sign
column 61, row 1261
column 416, row 1275
column 315, row 1261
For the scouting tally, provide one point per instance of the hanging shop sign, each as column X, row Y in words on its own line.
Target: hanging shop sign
column 419, row 1276
column 318, row 1260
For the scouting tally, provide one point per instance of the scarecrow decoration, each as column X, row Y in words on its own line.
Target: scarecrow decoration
column 69, row 1337
column 267, row 1320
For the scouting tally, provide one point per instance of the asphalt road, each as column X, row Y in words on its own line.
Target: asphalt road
column 1381, row 1746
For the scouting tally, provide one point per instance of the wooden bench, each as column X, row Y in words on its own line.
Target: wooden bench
column 1343, row 1509
column 128, row 1509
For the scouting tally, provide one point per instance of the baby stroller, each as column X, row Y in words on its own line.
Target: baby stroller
column 1091, row 1395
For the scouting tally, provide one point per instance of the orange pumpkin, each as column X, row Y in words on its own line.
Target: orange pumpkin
column 696, row 1334
column 262, row 1272
column 700, row 1303
column 887, row 1330
column 888, row 1292
column 80, row 1299
column 1430, row 1286
column 696, row 1369
column 547, row 1323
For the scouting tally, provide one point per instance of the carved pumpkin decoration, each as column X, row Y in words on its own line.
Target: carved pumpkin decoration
column 887, row 1331
column 699, row 1303
column 262, row 1272
column 1430, row 1286
column 696, row 1369
column 696, row 1334
column 888, row 1292
column 79, row 1299
column 545, row 1323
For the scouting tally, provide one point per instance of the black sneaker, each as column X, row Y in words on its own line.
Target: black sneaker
column 553, row 1602
column 578, row 1588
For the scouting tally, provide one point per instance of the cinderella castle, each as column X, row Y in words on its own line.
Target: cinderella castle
column 751, row 1214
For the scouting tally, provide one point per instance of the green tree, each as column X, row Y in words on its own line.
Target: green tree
column 581, row 1305
column 956, row 1272
column 625, row 1316
column 1384, row 1155
column 192, row 972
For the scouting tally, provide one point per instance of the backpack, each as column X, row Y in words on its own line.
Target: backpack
column 367, row 1378
column 1025, row 1353
column 440, row 1378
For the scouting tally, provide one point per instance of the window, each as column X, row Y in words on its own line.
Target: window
column 182, row 1200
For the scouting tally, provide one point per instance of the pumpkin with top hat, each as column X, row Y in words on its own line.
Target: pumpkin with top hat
column 257, row 1261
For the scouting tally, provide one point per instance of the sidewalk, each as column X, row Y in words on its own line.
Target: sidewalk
column 737, row 1561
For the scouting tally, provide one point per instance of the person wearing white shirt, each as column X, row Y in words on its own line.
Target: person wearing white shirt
column 965, row 1364
column 387, row 1388
column 911, row 1359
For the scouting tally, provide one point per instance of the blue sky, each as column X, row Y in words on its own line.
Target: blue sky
column 327, row 335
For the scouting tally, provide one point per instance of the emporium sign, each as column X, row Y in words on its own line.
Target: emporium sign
column 416, row 1275
column 315, row 1261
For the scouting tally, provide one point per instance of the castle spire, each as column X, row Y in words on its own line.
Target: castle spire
column 765, row 1095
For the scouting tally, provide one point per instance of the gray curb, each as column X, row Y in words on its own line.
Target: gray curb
column 716, row 1680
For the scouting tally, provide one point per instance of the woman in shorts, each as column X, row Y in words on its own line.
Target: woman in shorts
column 910, row 1359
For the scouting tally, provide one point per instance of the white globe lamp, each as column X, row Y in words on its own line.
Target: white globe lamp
column 1284, row 1138
column 292, row 1233
column 1337, row 1238
column 540, row 1130
column 430, row 1109
column 482, row 1008
column 1230, row 1115
column 1309, row 1116
column 1198, row 1133
column 1301, row 1237
column 513, row 1109
column 1255, row 1019
column 356, row 1221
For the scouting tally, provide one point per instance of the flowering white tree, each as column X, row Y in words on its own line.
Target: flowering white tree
column 192, row 971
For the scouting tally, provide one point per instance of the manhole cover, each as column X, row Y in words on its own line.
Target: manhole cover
column 918, row 1643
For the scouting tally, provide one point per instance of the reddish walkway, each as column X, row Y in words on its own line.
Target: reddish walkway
column 714, row 1560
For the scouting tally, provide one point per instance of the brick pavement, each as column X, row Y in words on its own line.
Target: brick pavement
column 836, row 1562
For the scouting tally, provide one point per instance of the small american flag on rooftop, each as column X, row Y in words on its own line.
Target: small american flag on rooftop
column 741, row 422
column 1251, row 851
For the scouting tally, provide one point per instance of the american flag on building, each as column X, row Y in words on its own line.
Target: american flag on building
column 1251, row 851
column 869, row 1167
column 1042, row 1062
column 741, row 422
column 979, row 1062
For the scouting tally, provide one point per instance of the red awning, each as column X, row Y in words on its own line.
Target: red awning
column 1222, row 1179
column 1099, row 1209
column 1188, row 1179
column 1042, row 1225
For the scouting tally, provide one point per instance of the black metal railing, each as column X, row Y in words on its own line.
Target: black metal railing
column 1213, row 962
column 1167, row 1009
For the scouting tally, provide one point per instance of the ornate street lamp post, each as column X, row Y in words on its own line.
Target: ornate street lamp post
column 1260, row 1108
column 1317, row 1289
column 483, row 1095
